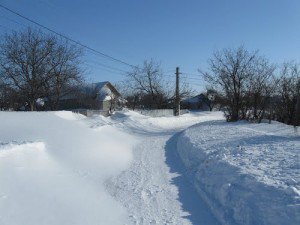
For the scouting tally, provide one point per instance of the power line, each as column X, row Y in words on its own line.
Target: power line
column 96, row 62
column 105, row 69
column 191, row 78
column 194, row 74
column 108, row 67
column 67, row 38
column 172, row 70
column 185, row 77
column 21, row 24
column 199, row 85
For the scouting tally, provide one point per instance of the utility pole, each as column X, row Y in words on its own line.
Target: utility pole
column 177, row 97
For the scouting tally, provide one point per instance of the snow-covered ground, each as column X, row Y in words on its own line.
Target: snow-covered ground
column 247, row 173
column 153, row 189
column 63, row 168
column 53, row 168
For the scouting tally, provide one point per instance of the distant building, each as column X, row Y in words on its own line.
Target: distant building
column 198, row 102
column 95, row 96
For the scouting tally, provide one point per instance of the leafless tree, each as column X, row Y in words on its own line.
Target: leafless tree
column 260, row 89
column 235, row 75
column 66, row 73
column 147, row 87
column 287, row 93
column 38, row 65
column 132, row 96
column 147, row 81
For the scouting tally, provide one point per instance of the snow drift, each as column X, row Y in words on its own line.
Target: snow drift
column 247, row 173
column 53, row 167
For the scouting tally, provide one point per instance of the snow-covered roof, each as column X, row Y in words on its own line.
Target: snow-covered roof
column 98, row 85
column 195, row 99
column 104, row 90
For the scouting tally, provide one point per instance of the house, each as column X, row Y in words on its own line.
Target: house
column 198, row 102
column 94, row 96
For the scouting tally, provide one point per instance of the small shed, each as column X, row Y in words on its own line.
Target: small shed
column 94, row 96
column 105, row 95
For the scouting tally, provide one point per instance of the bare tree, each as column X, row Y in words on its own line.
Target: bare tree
column 260, row 88
column 147, row 81
column 132, row 95
column 241, row 77
column 65, row 74
column 38, row 65
column 229, row 75
column 147, row 87
column 287, row 93
column 185, row 90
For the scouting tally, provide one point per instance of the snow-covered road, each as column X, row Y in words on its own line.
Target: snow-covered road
column 129, row 169
column 62, row 168
column 154, row 190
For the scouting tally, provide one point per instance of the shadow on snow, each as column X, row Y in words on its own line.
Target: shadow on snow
column 199, row 212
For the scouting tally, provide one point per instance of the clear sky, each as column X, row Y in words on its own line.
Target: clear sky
column 180, row 33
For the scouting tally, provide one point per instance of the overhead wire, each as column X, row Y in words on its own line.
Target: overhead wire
column 11, row 20
column 108, row 68
column 68, row 38
column 105, row 69
column 123, row 72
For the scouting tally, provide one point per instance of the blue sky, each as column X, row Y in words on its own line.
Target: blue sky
column 173, row 32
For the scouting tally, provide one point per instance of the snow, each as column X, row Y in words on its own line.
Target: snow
column 153, row 189
column 53, row 168
column 247, row 173
column 64, row 168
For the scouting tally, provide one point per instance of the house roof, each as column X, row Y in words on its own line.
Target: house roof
column 100, row 85
column 195, row 99
column 103, row 90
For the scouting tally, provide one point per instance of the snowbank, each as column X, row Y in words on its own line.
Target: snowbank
column 247, row 173
column 140, row 123
column 53, row 167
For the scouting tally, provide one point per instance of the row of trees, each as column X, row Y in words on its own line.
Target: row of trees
column 35, row 66
column 247, row 86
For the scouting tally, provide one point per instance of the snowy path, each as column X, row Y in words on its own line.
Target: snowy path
column 63, row 168
column 153, row 189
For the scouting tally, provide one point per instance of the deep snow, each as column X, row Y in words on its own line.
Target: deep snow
column 247, row 173
column 53, row 168
column 153, row 189
column 63, row 168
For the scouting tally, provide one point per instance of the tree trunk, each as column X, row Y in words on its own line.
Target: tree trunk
column 32, row 106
